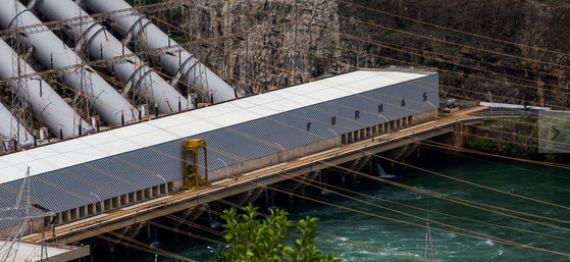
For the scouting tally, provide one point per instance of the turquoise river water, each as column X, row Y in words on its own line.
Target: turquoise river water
column 363, row 237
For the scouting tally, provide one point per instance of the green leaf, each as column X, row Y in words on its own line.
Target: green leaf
column 255, row 240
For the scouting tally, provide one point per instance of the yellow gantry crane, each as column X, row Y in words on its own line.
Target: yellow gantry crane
column 195, row 156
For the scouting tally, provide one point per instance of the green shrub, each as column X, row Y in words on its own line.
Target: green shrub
column 479, row 144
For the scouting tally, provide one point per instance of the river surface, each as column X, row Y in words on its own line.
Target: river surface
column 366, row 237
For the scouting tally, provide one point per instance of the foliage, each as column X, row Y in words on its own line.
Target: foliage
column 509, row 148
column 260, row 240
column 530, row 119
column 479, row 144
column 550, row 157
column 179, row 39
column 175, row 13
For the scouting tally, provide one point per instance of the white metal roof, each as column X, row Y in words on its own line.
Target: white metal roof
column 120, row 140
column 32, row 252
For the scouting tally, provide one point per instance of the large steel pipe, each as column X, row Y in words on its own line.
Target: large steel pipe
column 179, row 63
column 91, row 36
column 53, row 53
column 11, row 129
column 45, row 102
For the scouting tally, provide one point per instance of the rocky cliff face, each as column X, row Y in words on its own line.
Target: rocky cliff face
column 468, row 70
column 267, row 44
column 257, row 45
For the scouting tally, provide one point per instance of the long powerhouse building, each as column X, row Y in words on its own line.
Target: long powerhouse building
column 119, row 166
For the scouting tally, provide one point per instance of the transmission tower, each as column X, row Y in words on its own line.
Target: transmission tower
column 10, row 247
column 81, row 103
column 428, row 252
column 197, row 78
column 143, row 85
column 20, row 212
column 19, row 107
column 44, row 257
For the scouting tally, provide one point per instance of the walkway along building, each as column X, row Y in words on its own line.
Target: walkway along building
column 108, row 170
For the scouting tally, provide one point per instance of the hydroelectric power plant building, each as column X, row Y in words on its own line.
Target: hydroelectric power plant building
column 108, row 170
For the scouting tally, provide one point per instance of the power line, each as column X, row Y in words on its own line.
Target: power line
column 372, row 24
column 450, row 29
column 418, row 225
column 100, row 17
column 374, row 42
column 334, row 32
column 327, row 186
column 370, row 248
column 441, row 145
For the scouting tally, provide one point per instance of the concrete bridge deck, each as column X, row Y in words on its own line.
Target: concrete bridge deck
column 120, row 218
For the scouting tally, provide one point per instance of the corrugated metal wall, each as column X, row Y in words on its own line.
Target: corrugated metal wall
column 70, row 187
